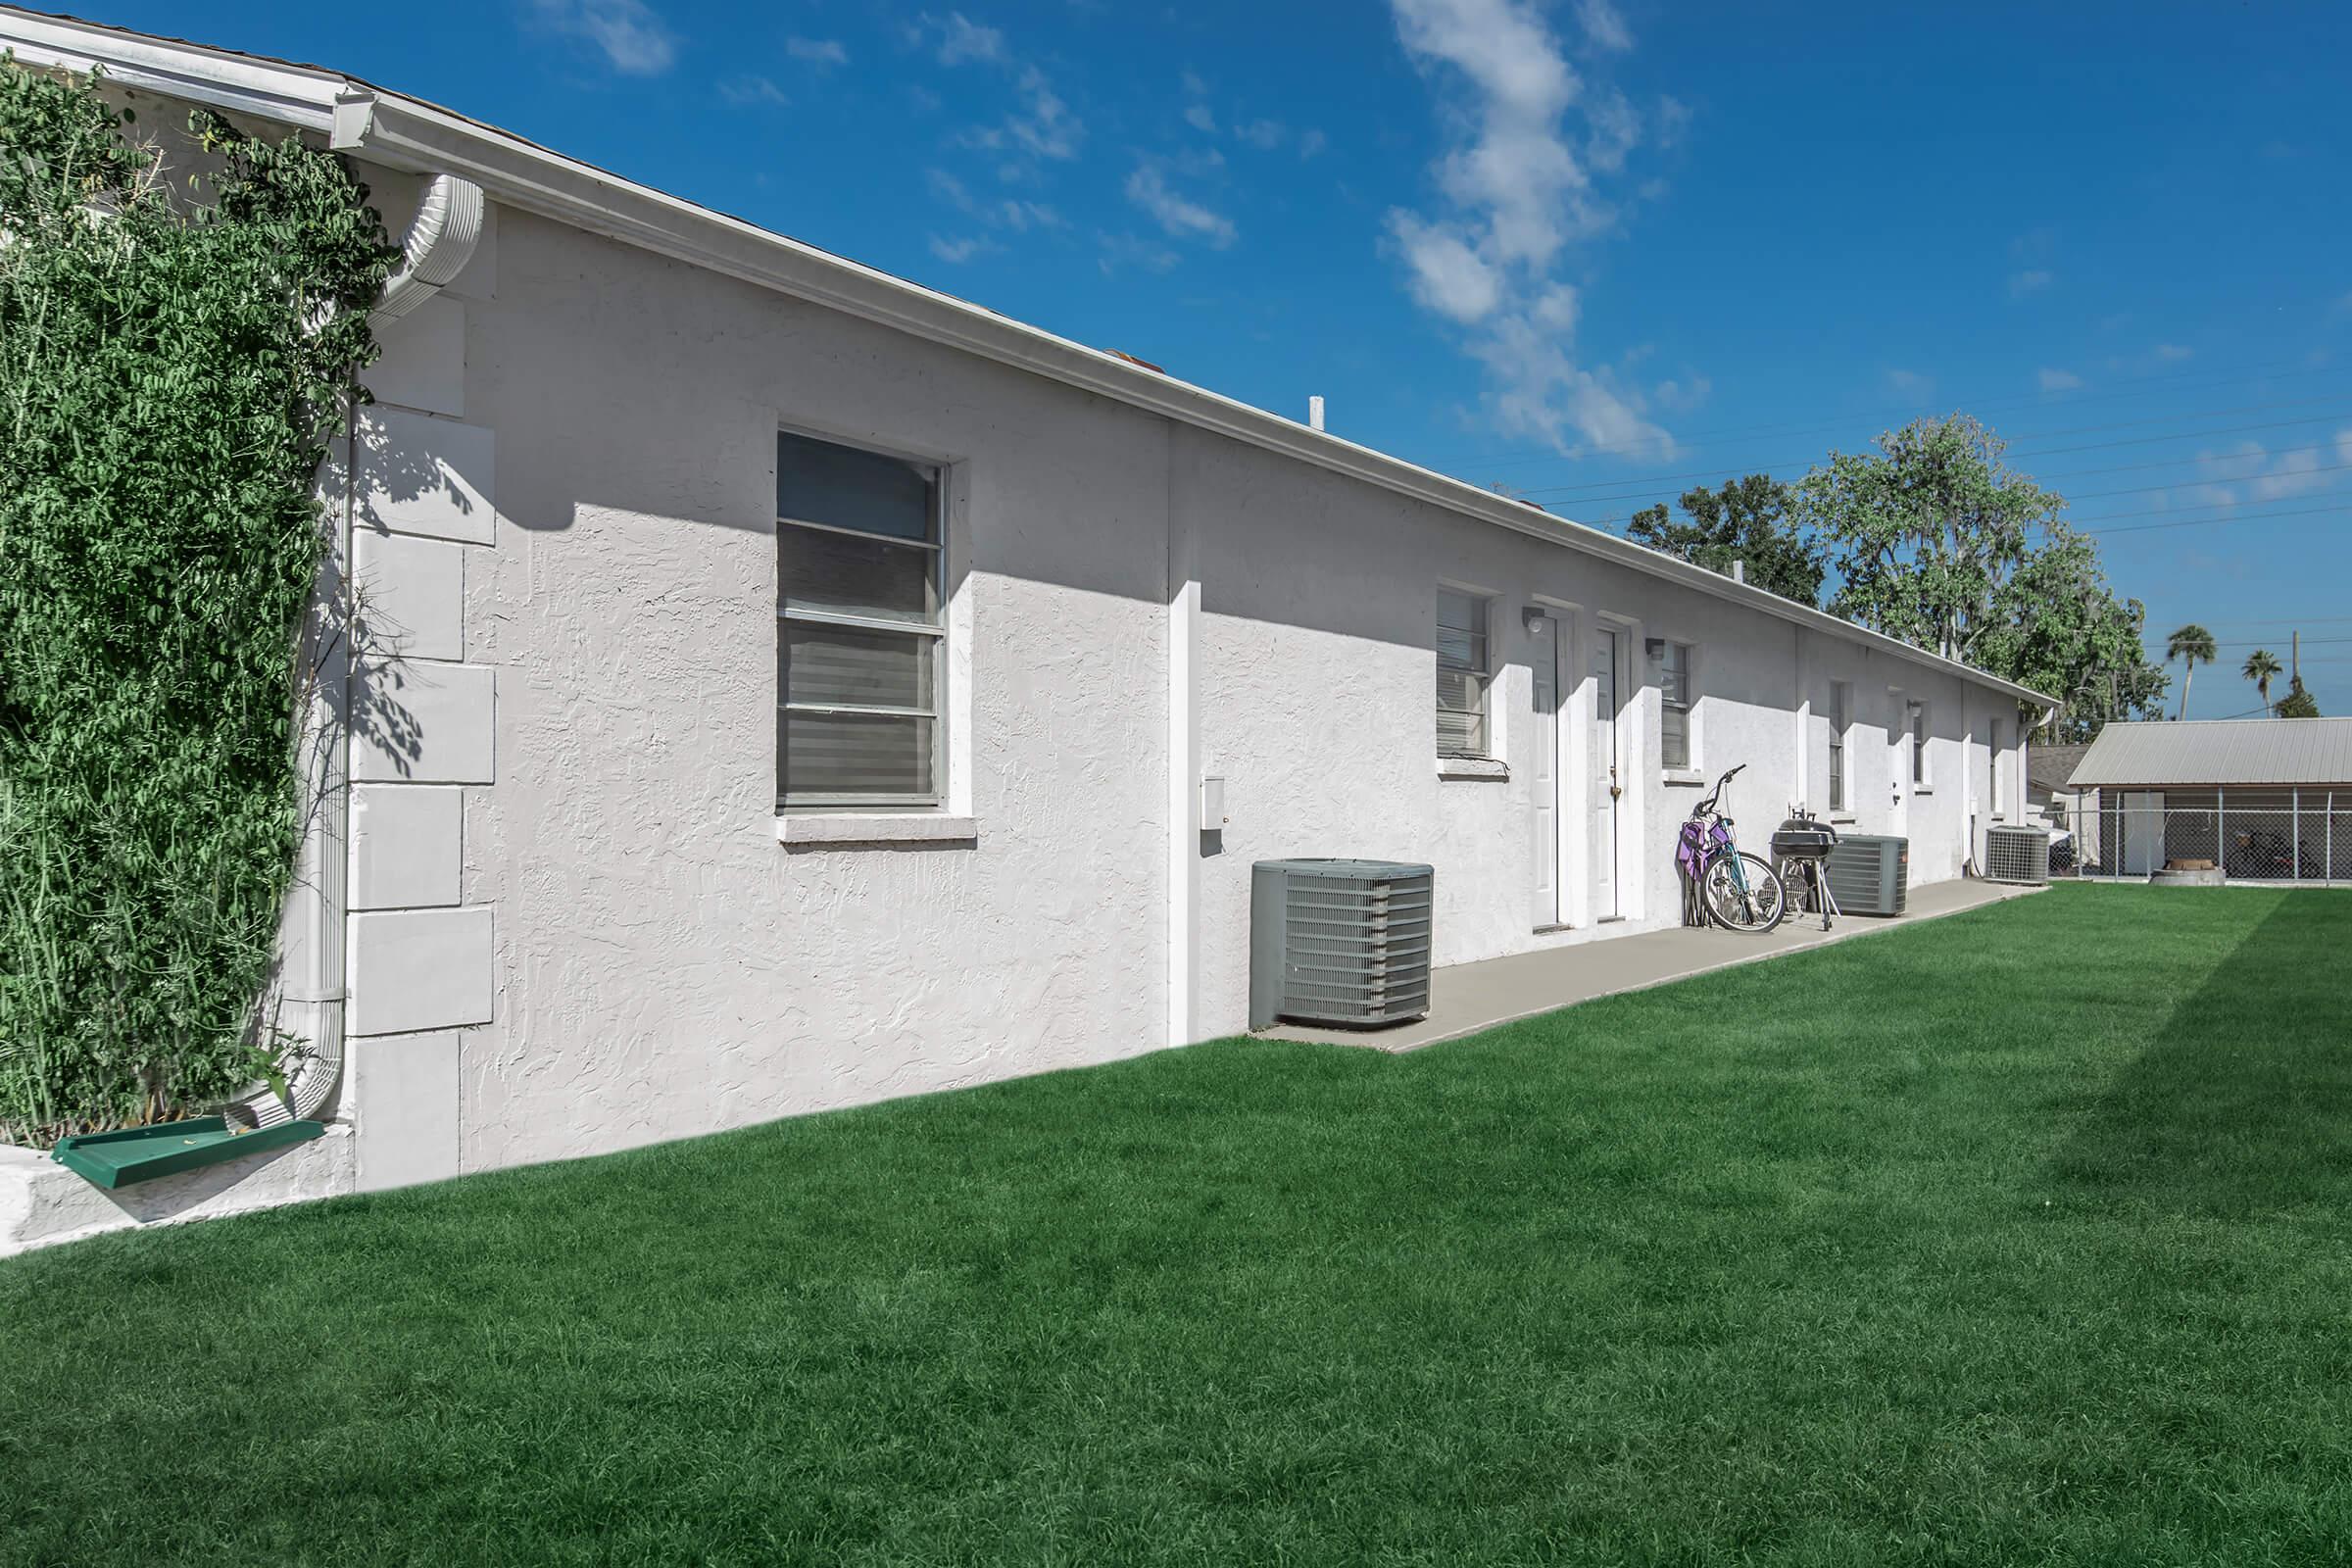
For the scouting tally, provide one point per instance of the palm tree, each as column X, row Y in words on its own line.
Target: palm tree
column 2262, row 667
column 2192, row 645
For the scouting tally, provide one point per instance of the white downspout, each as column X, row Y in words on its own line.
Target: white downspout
column 440, row 241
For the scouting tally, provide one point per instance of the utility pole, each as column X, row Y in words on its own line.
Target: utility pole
column 2295, row 660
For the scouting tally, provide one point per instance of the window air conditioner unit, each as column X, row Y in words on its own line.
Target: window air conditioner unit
column 1869, row 874
column 2017, row 855
column 1339, row 942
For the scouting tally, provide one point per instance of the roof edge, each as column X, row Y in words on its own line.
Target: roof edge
column 409, row 133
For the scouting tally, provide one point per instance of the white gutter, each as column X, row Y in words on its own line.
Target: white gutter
column 406, row 133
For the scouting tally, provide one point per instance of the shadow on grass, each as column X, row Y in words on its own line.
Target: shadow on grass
column 2243, row 1104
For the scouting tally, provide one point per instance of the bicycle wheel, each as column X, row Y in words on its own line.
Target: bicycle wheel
column 1746, row 897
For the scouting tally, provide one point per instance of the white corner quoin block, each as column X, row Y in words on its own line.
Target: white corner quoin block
column 414, row 591
column 424, row 723
column 407, row 842
column 414, row 969
column 405, row 1090
column 420, row 475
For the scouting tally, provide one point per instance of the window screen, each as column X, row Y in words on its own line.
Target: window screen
column 859, row 627
column 1464, row 673
column 1674, row 704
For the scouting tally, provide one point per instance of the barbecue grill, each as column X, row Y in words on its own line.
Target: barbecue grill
column 1803, row 838
column 1802, row 844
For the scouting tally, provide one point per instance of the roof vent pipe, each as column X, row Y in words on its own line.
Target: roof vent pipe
column 440, row 241
column 1738, row 571
column 1315, row 413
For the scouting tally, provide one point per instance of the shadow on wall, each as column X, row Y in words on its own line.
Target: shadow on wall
column 2243, row 1105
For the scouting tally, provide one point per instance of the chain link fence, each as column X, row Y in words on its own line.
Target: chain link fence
column 2249, row 835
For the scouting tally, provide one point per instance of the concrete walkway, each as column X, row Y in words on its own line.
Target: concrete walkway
column 1466, row 997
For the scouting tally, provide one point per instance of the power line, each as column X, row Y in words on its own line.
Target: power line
column 2147, row 386
column 1644, row 487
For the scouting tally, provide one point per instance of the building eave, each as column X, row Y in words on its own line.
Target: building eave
column 408, row 133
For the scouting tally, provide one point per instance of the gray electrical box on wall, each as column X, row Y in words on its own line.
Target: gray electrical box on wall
column 1341, row 941
column 1213, row 805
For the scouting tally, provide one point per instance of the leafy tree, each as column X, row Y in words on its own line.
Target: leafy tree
column 177, row 355
column 2297, row 703
column 2192, row 645
column 2057, row 626
column 2262, row 667
column 1747, row 520
column 1933, row 537
column 1926, row 531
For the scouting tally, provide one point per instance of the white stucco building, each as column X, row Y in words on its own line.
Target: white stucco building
column 802, row 681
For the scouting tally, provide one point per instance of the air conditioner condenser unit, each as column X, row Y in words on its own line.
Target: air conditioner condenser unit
column 1340, row 942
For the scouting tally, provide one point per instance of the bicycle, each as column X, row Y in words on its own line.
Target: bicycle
column 1724, row 885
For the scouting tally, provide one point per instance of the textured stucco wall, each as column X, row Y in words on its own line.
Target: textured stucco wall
column 665, row 966
column 669, row 967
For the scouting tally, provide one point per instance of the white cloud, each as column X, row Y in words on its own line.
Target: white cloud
column 1519, row 190
column 1674, row 118
column 1263, row 134
column 1911, row 383
column 1126, row 250
column 957, row 252
column 1616, row 131
column 1009, row 213
column 1195, row 86
column 1448, row 275
column 747, row 92
column 2033, row 280
column 2250, row 470
column 2058, row 380
column 1313, row 143
column 1042, row 128
column 634, row 39
column 817, row 51
column 1185, row 218
column 2174, row 352
column 1603, row 25
column 1683, row 396
column 1199, row 117
column 956, row 38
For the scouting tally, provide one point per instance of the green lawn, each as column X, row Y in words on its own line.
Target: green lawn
column 2018, row 1237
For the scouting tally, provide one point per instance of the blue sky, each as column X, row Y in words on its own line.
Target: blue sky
column 1597, row 250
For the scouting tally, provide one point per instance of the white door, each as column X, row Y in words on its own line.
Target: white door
column 1898, row 773
column 1545, row 786
column 2143, row 833
column 1607, row 786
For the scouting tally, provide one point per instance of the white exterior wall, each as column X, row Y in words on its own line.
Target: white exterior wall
column 572, row 925
column 665, row 966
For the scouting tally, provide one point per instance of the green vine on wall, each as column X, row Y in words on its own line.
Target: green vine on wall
column 176, row 353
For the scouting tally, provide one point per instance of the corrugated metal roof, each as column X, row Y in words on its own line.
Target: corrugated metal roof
column 2220, row 751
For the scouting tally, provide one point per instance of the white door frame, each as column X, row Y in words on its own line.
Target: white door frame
column 1606, row 745
column 1547, row 638
column 1899, row 764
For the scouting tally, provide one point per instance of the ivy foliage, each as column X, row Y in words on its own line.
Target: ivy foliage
column 176, row 351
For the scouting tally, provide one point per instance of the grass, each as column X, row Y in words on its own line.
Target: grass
column 2018, row 1237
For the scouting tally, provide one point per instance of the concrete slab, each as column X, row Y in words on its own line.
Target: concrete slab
column 1466, row 997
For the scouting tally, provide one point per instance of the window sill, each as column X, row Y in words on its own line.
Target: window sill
column 1682, row 775
column 1491, row 769
column 875, row 827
